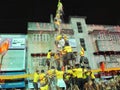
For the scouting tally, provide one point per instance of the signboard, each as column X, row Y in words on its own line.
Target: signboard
column 13, row 85
column 107, row 45
column 13, row 42
column 103, row 27
column 18, row 42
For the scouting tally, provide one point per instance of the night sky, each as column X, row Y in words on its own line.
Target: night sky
column 14, row 14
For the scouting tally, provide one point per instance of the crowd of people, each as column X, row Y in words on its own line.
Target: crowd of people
column 73, row 77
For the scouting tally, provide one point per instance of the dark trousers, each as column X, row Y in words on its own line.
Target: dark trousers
column 85, row 80
column 74, row 79
column 35, row 84
column 80, row 83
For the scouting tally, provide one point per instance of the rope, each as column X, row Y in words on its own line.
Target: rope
column 11, row 77
column 8, row 77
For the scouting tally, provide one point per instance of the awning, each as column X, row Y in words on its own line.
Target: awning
column 20, row 84
column 16, row 84
column 12, row 73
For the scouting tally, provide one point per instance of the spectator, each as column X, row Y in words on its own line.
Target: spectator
column 49, row 54
column 43, row 81
column 60, row 82
column 35, row 80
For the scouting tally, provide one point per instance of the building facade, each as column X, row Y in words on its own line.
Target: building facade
column 100, row 42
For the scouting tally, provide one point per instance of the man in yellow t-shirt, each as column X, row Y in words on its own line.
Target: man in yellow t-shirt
column 57, row 23
column 89, row 74
column 43, row 81
column 51, row 74
column 68, row 76
column 79, row 76
column 69, row 54
column 49, row 54
column 57, row 60
column 82, row 53
column 60, row 82
column 57, row 39
column 35, row 80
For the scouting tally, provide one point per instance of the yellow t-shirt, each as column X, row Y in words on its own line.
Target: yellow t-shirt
column 90, row 74
column 42, row 78
column 36, row 77
column 51, row 72
column 56, row 56
column 84, row 73
column 74, row 74
column 63, row 52
column 59, row 5
column 78, row 72
column 82, row 49
column 65, row 37
column 57, row 23
column 69, row 73
column 48, row 55
column 59, row 74
column 57, row 15
column 58, row 37
column 46, row 87
column 68, row 49
column 81, row 53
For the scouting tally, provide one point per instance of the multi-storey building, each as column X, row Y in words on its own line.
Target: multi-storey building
column 100, row 42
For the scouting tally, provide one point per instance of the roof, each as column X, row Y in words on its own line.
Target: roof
column 40, row 26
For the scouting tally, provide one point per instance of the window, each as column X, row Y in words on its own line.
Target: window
column 82, row 43
column 37, row 37
column 79, row 27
